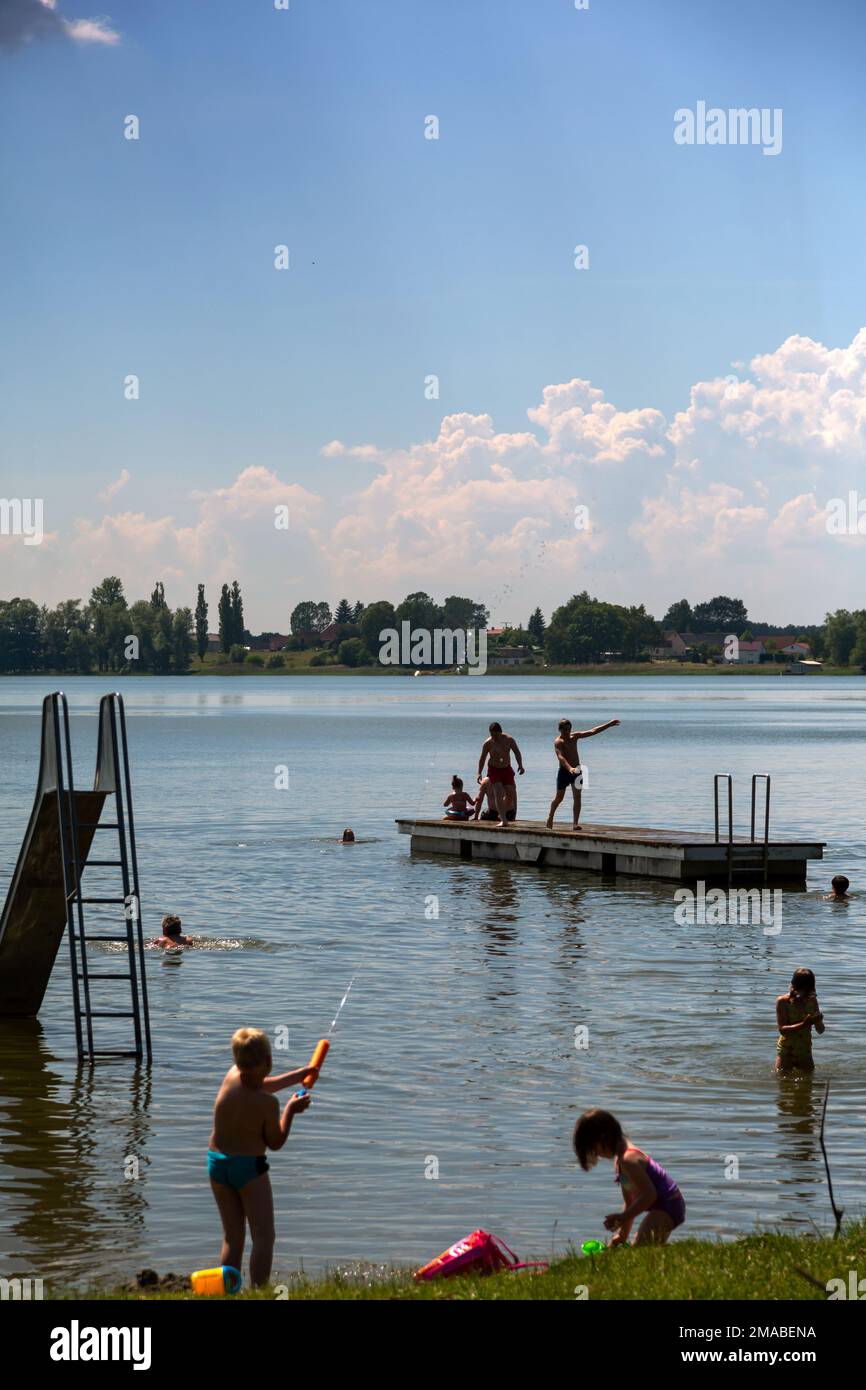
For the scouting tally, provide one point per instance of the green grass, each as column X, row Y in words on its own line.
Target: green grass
column 298, row 664
column 757, row 1267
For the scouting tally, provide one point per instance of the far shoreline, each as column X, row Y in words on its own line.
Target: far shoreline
column 638, row 670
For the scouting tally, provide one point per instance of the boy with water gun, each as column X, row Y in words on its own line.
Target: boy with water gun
column 247, row 1122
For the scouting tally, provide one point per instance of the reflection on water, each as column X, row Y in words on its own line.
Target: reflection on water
column 470, row 979
column 72, row 1155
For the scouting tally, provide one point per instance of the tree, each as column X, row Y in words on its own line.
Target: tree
column 583, row 629
column 109, row 623
column 310, row 617
column 344, row 611
column 357, row 611
column 181, row 641
column 79, row 652
column 858, row 651
column 142, row 617
column 224, row 608
column 841, row 636
column 20, row 636
column 720, row 614
column 157, row 598
column 237, row 612
column 354, row 653
column 65, row 641
column 108, row 592
column 237, row 653
column 420, row 612
column 679, row 617
column 163, row 641
column 536, row 627
column 201, row 623
column 463, row 614
column 375, row 619
column 640, row 631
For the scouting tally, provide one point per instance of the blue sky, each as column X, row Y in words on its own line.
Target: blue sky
column 408, row 257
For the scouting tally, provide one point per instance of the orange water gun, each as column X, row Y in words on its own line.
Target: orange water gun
column 318, row 1057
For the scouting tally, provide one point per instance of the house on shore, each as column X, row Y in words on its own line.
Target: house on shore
column 804, row 668
column 679, row 646
column 509, row 656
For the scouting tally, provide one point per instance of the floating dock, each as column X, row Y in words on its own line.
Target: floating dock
column 681, row 856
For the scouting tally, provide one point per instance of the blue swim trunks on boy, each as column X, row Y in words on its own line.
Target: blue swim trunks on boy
column 235, row 1172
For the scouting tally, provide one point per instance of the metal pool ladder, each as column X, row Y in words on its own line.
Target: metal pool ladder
column 112, row 779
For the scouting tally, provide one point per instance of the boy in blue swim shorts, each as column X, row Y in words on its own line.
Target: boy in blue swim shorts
column 247, row 1122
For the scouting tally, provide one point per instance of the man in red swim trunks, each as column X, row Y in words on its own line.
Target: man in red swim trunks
column 498, row 749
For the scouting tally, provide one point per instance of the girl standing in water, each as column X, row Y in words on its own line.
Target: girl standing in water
column 797, row 1013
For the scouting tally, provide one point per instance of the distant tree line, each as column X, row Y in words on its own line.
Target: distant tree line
column 109, row 634
column 729, row 616
column 353, row 630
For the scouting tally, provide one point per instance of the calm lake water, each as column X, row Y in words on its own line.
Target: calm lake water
column 458, row 1039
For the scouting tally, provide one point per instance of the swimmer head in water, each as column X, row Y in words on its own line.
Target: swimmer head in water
column 348, row 836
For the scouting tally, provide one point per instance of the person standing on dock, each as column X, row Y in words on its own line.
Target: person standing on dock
column 570, row 773
column 498, row 749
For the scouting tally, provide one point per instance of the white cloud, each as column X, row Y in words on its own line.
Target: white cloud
column 730, row 496
column 91, row 31
column 337, row 449
column 25, row 21
column 115, row 487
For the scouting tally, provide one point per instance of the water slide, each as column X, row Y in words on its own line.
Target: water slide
column 34, row 916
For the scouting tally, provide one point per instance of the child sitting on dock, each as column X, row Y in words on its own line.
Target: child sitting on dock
column 246, row 1122
column 647, row 1190
column 458, row 803
column 172, row 932
column 797, row 1013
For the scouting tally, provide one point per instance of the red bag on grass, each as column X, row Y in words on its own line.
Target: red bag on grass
column 478, row 1253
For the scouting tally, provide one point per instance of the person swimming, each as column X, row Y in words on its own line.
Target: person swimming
column 797, row 1013
column 647, row 1190
column 840, row 885
column 172, row 933
column 348, row 836
column 458, row 803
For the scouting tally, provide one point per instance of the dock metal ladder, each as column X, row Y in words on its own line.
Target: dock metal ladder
column 112, row 778
column 764, row 867
column 765, row 776
column 726, row 777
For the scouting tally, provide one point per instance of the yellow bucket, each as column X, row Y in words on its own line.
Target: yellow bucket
column 214, row 1283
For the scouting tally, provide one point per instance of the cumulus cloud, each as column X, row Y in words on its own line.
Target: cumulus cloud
column 731, row 496
column 25, row 21
column 337, row 449
column 115, row 487
column 230, row 532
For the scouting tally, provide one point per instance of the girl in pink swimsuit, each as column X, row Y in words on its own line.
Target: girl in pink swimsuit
column 646, row 1188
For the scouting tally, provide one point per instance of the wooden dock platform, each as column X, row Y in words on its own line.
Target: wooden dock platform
column 683, row 856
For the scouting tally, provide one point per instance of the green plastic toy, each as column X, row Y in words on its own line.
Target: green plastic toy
column 593, row 1247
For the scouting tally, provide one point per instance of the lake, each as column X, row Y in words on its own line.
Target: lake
column 456, row 1050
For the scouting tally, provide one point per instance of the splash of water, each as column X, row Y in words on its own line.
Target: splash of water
column 342, row 1002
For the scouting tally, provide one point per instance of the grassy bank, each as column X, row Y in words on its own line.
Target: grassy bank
column 757, row 1267
column 298, row 664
